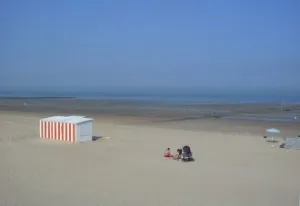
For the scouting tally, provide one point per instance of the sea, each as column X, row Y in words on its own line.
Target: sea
column 175, row 97
column 166, row 95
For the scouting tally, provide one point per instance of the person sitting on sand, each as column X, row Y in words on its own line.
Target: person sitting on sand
column 178, row 155
column 167, row 153
column 187, row 152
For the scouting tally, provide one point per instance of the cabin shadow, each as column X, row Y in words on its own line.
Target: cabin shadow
column 95, row 138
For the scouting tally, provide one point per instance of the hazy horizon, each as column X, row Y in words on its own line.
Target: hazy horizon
column 153, row 90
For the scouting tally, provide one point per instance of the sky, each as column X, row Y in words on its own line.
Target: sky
column 150, row 44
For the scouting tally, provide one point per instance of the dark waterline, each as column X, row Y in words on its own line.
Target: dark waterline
column 190, row 97
column 265, row 119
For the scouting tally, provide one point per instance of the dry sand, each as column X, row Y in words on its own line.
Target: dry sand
column 231, row 169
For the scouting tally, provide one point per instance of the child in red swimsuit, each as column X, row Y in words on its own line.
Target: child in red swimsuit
column 167, row 153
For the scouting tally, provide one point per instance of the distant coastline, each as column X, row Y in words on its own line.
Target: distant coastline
column 33, row 97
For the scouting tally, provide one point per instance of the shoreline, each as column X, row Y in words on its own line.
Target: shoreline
column 99, row 105
column 232, row 118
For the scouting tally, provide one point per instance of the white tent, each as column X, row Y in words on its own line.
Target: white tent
column 272, row 132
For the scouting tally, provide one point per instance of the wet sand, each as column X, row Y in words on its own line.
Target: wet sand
column 242, row 118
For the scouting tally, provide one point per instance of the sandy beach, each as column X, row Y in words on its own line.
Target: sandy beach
column 234, row 165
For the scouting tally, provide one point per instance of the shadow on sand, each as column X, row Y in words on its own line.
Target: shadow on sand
column 95, row 138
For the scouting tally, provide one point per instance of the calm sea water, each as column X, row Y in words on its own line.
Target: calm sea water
column 187, row 96
column 179, row 97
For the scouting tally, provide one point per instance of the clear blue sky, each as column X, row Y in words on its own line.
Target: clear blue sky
column 165, row 43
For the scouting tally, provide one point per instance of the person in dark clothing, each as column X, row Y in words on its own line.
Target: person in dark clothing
column 186, row 149
column 187, row 153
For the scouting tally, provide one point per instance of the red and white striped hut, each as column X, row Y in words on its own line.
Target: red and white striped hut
column 67, row 128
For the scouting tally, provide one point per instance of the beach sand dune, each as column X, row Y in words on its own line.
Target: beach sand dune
column 128, row 168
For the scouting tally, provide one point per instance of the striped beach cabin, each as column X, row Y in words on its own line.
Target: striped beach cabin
column 67, row 128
